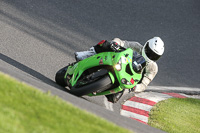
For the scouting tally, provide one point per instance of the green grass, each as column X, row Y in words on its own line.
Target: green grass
column 24, row 109
column 176, row 115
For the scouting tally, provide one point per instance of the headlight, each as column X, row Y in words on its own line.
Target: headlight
column 118, row 66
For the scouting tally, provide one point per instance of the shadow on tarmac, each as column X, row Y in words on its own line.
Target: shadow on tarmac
column 30, row 71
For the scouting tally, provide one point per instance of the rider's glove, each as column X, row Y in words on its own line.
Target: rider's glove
column 114, row 46
column 140, row 88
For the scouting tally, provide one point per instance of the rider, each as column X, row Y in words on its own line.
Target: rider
column 151, row 51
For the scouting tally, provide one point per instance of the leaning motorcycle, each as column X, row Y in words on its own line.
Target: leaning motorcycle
column 102, row 74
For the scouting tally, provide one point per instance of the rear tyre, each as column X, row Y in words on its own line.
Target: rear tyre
column 59, row 78
column 97, row 85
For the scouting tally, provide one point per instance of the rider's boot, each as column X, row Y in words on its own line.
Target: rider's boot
column 84, row 54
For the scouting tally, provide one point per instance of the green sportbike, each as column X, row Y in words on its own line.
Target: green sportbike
column 103, row 74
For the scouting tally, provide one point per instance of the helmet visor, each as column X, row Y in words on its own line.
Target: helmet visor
column 150, row 53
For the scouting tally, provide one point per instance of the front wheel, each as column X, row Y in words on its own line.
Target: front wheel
column 100, row 84
column 59, row 78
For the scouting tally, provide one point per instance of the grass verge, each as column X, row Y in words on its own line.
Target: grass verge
column 24, row 109
column 176, row 115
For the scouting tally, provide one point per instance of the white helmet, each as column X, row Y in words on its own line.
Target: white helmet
column 153, row 49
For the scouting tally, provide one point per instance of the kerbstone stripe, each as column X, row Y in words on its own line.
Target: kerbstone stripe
column 139, row 106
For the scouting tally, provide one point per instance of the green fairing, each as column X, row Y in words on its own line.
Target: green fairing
column 111, row 59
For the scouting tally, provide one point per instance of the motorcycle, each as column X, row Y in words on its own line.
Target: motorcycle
column 103, row 74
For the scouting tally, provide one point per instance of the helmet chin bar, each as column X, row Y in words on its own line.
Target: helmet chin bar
column 145, row 56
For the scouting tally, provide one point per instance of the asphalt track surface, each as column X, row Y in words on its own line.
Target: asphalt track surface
column 39, row 37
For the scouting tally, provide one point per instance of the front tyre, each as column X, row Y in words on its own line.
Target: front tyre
column 59, row 78
column 100, row 84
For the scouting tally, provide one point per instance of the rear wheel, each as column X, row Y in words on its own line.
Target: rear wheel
column 60, row 77
column 93, row 85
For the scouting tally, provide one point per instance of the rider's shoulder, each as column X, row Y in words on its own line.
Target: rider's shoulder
column 152, row 63
column 152, row 66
